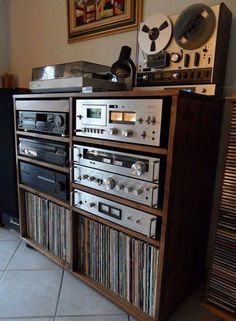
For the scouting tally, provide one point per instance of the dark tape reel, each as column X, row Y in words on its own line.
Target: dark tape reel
column 194, row 26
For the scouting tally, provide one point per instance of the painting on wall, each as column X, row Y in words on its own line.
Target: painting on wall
column 96, row 18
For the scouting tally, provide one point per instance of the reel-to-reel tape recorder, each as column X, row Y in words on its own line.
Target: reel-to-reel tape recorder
column 186, row 49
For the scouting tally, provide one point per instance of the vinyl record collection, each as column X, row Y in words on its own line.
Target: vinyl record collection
column 121, row 263
column 222, row 281
column 49, row 225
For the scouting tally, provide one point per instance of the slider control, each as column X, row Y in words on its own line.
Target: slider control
column 186, row 60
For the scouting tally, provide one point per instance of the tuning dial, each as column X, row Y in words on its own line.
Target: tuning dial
column 138, row 168
column 175, row 57
column 127, row 132
column 91, row 178
column 137, row 192
column 109, row 183
column 91, row 205
column 119, row 187
column 128, row 189
column 113, row 131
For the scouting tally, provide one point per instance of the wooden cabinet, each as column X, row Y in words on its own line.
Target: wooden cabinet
column 147, row 277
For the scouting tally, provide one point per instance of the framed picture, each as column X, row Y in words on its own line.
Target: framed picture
column 95, row 18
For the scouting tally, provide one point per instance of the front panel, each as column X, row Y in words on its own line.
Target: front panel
column 132, row 121
column 128, row 217
column 126, row 187
column 140, row 167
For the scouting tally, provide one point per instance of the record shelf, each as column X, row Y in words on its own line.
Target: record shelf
column 146, row 277
column 221, row 286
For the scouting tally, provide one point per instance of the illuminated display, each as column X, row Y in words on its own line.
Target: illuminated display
column 122, row 117
column 94, row 113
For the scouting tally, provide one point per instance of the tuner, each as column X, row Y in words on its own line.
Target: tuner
column 127, row 132
column 113, row 131
column 139, row 168
column 109, row 183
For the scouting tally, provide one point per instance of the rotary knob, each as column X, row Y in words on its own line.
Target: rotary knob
column 109, row 183
column 119, row 187
column 128, row 189
column 175, row 57
column 59, row 120
column 91, row 178
column 127, row 132
column 113, row 131
column 176, row 75
column 91, row 205
column 85, row 176
column 139, row 168
column 137, row 192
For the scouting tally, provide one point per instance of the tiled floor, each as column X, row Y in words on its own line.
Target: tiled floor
column 32, row 288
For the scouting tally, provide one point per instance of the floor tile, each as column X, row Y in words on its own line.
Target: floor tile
column 78, row 299
column 7, row 235
column 191, row 309
column 29, row 293
column 29, row 259
column 95, row 318
column 7, row 249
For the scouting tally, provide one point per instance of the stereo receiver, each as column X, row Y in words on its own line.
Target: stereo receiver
column 119, row 185
column 131, row 218
column 139, row 167
column 50, row 122
column 140, row 121
column 51, row 152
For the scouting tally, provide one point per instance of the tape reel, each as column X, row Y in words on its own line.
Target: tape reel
column 155, row 33
column 194, row 26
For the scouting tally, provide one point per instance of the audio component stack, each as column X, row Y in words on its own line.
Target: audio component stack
column 108, row 189
column 187, row 50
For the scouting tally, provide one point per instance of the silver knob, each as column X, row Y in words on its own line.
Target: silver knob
column 113, row 131
column 119, row 187
column 109, row 183
column 127, row 132
column 176, row 75
column 128, row 189
column 91, row 178
column 137, row 192
column 91, row 205
column 138, row 168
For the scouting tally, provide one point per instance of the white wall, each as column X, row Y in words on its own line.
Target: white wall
column 38, row 36
column 4, row 43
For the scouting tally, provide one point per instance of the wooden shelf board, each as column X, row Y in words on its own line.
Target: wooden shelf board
column 118, row 227
column 43, row 136
column 44, row 164
column 45, row 195
column 132, row 147
column 138, row 206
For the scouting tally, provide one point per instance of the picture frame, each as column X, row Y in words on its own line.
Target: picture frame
column 89, row 19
